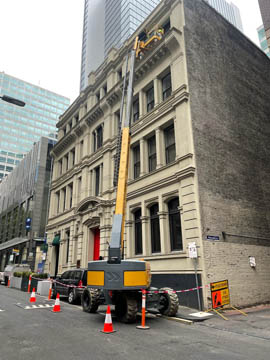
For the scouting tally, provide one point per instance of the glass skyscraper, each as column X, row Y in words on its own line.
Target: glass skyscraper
column 263, row 40
column 108, row 24
column 122, row 18
column 20, row 127
column 229, row 11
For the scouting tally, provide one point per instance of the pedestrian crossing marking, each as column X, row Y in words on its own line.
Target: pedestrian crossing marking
column 31, row 307
column 40, row 306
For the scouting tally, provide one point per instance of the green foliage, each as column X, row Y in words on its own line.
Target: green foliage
column 26, row 274
column 40, row 276
column 17, row 274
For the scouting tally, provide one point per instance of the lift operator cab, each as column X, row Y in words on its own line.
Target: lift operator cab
column 118, row 281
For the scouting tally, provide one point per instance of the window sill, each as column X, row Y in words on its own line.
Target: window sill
column 159, row 256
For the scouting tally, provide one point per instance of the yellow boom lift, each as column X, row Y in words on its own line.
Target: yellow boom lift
column 118, row 281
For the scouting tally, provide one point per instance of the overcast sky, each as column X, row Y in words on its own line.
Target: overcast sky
column 41, row 40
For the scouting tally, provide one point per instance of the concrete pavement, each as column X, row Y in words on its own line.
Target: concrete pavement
column 72, row 334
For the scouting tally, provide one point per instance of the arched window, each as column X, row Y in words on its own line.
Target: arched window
column 138, row 232
column 155, row 232
column 175, row 225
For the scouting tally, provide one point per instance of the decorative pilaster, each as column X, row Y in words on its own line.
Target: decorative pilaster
column 143, row 154
column 160, row 148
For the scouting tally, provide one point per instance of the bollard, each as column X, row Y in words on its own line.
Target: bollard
column 143, row 326
column 29, row 283
column 50, row 290
column 8, row 284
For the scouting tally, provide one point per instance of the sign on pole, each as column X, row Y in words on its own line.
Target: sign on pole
column 192, row 250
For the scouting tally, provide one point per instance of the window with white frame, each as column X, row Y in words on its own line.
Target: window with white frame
column 136, row 111
column 152, row 153
column 169, row 144
column 138, row 232
column 166, row 86
column 175, row 225
column 98, row 137
column 136, row 161
column 155, row 229
column 150, row 99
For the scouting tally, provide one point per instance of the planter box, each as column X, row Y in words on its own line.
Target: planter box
column 24, row 285
column 15, row 282
column 34, row 283
column 43, row 287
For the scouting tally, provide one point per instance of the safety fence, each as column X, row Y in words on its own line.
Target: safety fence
column 146, row 291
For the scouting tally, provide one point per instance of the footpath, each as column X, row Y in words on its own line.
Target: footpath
column 255, row 324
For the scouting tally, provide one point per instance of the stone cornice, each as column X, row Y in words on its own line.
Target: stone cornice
column 79, row 130
column 59, row 223
column 62, row 144
column 186, row 172
column 95, row 113
column 179, row 175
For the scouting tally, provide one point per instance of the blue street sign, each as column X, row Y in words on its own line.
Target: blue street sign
column 28, row 223
column 211, row 237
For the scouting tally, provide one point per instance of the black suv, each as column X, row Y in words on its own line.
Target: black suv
column 71, row 284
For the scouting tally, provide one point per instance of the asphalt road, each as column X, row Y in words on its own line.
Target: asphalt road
column 72, row 334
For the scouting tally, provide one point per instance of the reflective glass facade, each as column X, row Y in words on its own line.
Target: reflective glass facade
column 20, row 127
column 263, row 40
column 92, row 46
column 229, row 11
column 111, row 22
column 122, row 17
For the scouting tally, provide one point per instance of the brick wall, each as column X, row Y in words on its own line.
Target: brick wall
column 229, row 84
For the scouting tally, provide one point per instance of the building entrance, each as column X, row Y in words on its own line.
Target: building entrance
column 96, row 232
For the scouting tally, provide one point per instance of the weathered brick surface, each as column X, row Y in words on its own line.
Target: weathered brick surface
column 229, row 84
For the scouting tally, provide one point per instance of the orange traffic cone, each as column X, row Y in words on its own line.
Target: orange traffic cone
column 56, row 307
column 33, row 296
column 108, row 328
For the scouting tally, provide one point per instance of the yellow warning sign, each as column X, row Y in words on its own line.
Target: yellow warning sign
column 220, row 294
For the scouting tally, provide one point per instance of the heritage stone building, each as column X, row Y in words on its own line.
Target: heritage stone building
column 199, row 169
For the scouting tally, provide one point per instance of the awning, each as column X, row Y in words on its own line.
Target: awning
column 56, row 240
column 13, row 242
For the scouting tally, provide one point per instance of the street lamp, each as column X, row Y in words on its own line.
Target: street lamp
column 11, row 100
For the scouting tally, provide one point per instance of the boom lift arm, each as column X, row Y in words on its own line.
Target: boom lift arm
column 116, row 246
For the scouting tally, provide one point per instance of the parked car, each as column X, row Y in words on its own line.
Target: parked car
column 70, row 284
column 11, row 269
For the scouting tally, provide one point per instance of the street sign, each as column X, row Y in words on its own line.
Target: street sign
column 28, row 223
column 211, row 237
column 220, row 294
column 192, row 250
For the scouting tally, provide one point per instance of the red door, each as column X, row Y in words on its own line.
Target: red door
column 96, row 244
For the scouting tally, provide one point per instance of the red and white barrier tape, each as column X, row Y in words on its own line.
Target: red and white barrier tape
column 174, row 291
column 60, row 283
column 147, row 291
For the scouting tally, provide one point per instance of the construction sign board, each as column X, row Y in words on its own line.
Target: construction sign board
column 220, row 294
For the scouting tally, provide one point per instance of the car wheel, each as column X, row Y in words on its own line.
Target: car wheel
column 71, row 297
